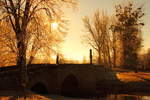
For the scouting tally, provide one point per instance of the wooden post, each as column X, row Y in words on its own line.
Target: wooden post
column 91, row 56
column 57, row 59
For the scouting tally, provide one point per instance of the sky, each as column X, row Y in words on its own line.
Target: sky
column 73, row 46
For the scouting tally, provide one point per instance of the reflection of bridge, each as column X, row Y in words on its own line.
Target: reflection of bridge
column 67, row 78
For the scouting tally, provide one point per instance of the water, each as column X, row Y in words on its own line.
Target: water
column 57, row 97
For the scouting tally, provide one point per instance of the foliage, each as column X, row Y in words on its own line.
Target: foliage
column 129, row 26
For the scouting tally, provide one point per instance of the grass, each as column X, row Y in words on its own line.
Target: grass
column 133, row 77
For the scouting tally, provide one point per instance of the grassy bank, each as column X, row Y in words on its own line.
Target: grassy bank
column 127, row 82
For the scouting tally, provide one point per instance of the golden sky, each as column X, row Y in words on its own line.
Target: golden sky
column 73, row 47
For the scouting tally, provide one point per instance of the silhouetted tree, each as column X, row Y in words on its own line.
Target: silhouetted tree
column 98, row 36
column 129, row 25
column 115, row 43
column 21, row 14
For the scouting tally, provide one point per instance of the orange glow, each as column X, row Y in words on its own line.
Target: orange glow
column 73, row 45
column 74, row 57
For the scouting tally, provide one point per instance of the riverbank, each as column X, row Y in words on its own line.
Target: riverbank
column 133, row 82
column 15, row 95
column 127, row 82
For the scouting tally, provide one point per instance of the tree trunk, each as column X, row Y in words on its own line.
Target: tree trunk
column 114, row 58
column 99, row 57
column 21, row 65
column 108, row 54
column 30, row 60
column 104, row 57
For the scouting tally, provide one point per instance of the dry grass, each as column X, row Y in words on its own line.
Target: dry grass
column 133, row 77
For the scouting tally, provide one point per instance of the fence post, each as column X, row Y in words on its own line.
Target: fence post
column 57, row 59
column 91, row 56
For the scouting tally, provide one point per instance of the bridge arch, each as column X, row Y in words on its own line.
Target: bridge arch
column 39, row 88
column 70, row 85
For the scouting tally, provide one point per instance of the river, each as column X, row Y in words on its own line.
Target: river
column 57, row 97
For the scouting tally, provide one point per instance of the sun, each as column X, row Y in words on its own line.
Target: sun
column 54, row 25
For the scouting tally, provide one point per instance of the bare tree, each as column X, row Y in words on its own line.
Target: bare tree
column 98, row 36
column 41, row 39
column 115, row 43
column 21, row 14
column 8, row 45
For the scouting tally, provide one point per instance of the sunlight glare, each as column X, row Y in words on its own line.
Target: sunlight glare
column 54, row 25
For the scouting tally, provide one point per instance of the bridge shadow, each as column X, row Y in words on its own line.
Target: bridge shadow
column 39, row 88
column 70, row 86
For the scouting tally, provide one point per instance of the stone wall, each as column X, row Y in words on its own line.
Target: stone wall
column 55, row 78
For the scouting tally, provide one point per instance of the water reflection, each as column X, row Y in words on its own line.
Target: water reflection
column 55, row 97
column 127, row 97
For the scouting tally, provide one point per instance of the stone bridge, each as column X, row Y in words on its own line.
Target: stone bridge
column 59, row 79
